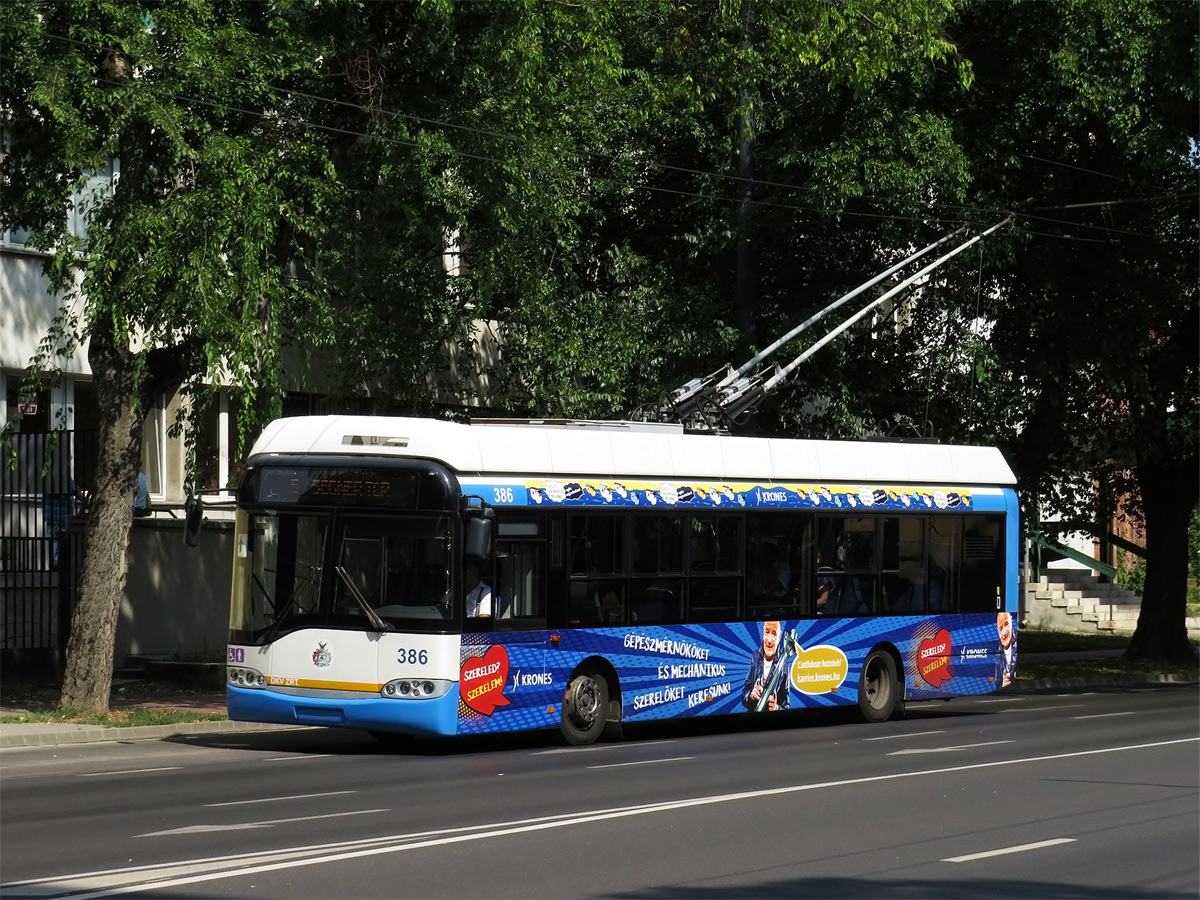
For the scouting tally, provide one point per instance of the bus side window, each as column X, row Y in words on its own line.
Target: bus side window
column 943, row 551
column 982, row 568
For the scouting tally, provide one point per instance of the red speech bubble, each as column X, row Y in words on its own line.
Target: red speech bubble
column 933, row 658
column 481, row 680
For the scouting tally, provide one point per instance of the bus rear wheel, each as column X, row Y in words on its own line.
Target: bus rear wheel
column 878, row 688
column 583, row 709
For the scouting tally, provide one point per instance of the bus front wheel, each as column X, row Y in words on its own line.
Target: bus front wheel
column 583, row 709
column 878, row 688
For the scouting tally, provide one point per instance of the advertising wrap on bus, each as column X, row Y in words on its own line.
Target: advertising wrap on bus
column 515, row 682
column 712, row 669
column 551, row 492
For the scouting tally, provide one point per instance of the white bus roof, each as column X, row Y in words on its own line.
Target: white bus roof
column 631, row 450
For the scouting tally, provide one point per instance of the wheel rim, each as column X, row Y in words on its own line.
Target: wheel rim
column 583, row 702
column 878, row 689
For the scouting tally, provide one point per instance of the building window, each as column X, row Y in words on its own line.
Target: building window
column 154, row 448
column 217, row 443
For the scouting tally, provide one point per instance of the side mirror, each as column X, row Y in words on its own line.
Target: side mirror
column 477, row 543
column 193, row 520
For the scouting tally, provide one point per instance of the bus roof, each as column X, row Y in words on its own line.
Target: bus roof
column 631, row 450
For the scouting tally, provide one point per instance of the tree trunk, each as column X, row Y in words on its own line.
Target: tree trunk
column 87, row 681
column 1169, row 491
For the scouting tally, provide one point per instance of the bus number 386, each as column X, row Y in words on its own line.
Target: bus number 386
column 413, row 657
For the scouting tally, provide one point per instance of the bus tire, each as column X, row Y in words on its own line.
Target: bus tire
column 878, row 687
column 583, row 709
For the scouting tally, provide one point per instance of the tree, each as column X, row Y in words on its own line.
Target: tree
column 181, row 277
column 1072, row 341
column 1090, row 129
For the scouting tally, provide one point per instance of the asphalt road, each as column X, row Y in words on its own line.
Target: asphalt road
column 1084, row 794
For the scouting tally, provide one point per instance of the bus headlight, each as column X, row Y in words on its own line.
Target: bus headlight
column 239, row 676
column 416, row 688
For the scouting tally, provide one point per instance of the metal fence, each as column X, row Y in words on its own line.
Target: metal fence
column 39, row 502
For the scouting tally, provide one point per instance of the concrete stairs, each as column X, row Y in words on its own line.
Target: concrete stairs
column 1077, row 600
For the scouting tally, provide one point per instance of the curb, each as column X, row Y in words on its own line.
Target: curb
column 38, row 735
column 1042, row 684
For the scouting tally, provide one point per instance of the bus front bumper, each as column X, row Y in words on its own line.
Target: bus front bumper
column 436, row 716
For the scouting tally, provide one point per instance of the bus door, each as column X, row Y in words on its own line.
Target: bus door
column 518, row 572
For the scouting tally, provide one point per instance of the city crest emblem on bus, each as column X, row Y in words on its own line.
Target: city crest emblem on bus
column 322, row 655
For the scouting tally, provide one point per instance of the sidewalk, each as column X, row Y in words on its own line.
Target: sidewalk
column 127, row 696
column 50, row 734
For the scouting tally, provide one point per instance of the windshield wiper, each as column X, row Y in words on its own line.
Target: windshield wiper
column 313, row 578
column 373, row 617
column 273, row 629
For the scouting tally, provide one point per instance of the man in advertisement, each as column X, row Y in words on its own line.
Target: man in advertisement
column 1006, row 661
column 766, row 676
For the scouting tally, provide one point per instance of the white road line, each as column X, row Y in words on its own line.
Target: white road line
column 268, row 823
column 914, row 750
column 642, row 762
column 1106, row 715
column 1003, row 700
column 594, row 747
column 114, row 882
column 892, row 737
column 298, row 756
column 1020, row 848
column 277, row 799
column 1043, row 708
column 125, row 772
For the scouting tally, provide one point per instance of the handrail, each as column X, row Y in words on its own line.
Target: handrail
column 1127, row 546
column 1094, row 564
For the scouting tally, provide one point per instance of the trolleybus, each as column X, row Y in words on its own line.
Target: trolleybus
column 629, row 572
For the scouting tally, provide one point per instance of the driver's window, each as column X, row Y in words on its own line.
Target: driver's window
column 519, row 594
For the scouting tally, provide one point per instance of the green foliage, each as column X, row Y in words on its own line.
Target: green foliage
column 189, row 247
column 1131, row 571
column 1194, row 544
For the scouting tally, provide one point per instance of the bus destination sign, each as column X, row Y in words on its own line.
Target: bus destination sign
column 328, row 486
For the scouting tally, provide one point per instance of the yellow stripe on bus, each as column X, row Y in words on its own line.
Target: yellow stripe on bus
column 279, row 681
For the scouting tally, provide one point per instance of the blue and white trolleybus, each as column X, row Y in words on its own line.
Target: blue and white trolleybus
column 421, row 577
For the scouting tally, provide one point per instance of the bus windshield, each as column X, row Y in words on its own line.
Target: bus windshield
column 398, row 565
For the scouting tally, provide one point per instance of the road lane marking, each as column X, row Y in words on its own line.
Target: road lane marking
column 892, row 737
column 1003, row 700
column 113, row 882
column 1020, row 848
column 297, row 756
column 642, row 762
column 125, row 772
column 1106, row 715
column 954, row 749
column 268, row 823
column 278, row 799
column 595, row 747
column 1043, row 708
